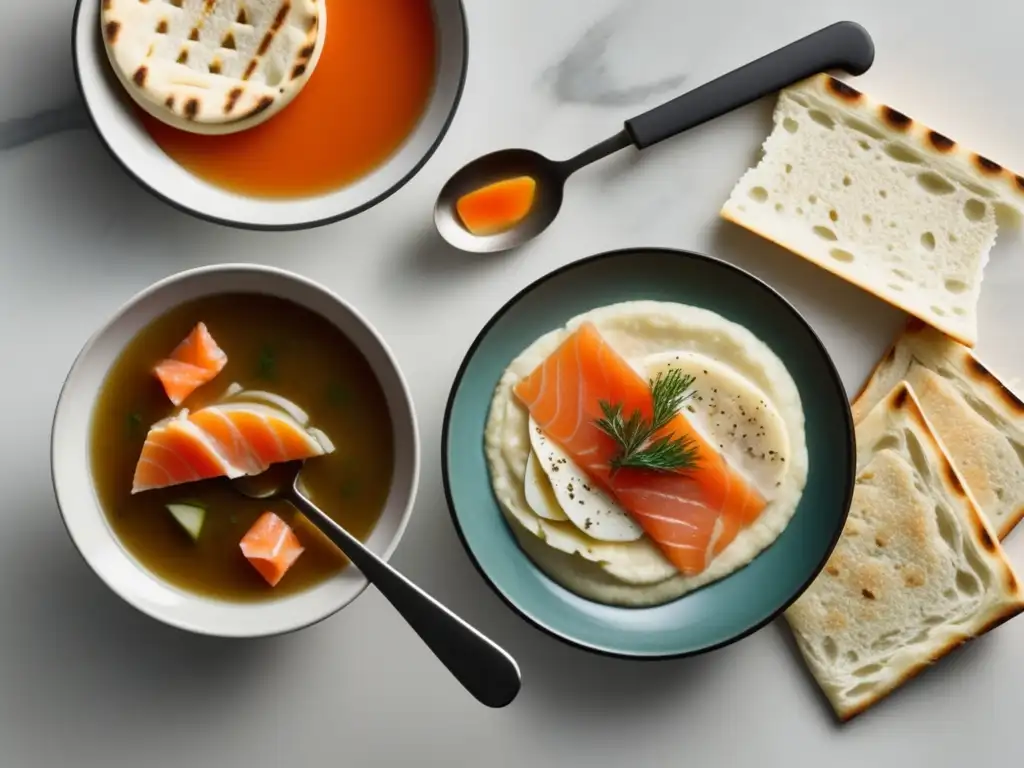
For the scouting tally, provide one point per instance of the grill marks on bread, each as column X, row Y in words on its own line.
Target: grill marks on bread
column 903, row 123
column 844, row 91
column 233, row 97
column 194, row 57
column 896, row 119
column 940, row 142
column 303, row 61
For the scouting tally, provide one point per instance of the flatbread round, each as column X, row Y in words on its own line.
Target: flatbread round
column 214, row 66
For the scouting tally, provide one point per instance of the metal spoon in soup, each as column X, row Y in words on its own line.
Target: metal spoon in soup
column 487, row 671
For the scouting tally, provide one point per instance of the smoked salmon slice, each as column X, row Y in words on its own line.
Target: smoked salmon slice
column 194, row 362
column 225, row 440
column 691, row 515
column 271, row 547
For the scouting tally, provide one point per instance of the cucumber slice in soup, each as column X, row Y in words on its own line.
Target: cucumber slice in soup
column 190, row 517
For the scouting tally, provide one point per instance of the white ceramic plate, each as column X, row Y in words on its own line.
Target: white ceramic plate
column 112, row 112
column 87, row 524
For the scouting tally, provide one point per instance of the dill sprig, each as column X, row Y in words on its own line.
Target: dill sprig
column 635, row 435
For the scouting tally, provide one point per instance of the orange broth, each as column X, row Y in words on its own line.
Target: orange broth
column 498, row 206
column 366, row 95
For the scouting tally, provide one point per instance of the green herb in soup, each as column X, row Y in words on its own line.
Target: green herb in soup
column 281, row 360
column 266, row 365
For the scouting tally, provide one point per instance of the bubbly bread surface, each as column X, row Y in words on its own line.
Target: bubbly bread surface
column 979, row 419
column 917, row 572
column 213, row 66
column 878, row 199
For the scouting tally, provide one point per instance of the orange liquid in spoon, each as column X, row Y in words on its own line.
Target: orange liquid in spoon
column 498, row 206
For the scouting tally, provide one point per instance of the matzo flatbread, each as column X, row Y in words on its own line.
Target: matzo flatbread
column 917, row 572
column 213, row 66
column 979, row 419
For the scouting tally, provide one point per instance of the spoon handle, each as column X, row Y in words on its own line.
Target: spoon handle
column 844, row 45
column 483, row 668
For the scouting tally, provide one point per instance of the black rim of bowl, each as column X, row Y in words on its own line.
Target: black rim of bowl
column 278, row 227
column 835, row 380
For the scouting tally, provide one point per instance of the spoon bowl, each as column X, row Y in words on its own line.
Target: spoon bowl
column 549, row 175
column 274, row 482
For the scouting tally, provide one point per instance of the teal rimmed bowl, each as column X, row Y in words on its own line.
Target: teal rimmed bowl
column 721, row 612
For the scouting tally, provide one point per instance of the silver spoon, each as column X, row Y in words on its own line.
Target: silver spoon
column 844, row 45
column 483, row 668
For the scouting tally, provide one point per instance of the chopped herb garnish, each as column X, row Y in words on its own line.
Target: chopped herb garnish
column 338, row 394
column 349, row 488
column 134, row 423
column 267, row 362
column 638, row 448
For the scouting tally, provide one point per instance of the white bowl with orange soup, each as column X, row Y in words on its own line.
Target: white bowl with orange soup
column 280, row 333
column 376, row 107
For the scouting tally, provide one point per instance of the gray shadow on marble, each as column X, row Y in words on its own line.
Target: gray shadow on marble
column 426, row 261
column 110, row 668
column 19, row 131
column 559, row 678
column 74, row 187
column 781, row 627
column 49, row 71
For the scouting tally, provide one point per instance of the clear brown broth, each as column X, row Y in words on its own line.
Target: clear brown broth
column 272, row 345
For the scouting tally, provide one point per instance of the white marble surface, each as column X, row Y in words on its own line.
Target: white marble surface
column 85, row 681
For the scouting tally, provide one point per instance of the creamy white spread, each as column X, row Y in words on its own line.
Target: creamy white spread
column 745, row 404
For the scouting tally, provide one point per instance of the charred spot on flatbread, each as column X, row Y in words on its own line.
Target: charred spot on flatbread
column 987, row 166
column 264, row 104
column 233, row 96
column 940, row 142
column 896, row 119
column 844, row 91
column 900, row 400
column 953, row 477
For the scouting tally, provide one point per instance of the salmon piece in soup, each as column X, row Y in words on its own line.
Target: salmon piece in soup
column 271, row 547
column 226, row 440
column 194, row 362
